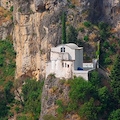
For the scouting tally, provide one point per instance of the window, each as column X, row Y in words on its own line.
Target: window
column 68, row 66
column 63, row 49
column 62, row 64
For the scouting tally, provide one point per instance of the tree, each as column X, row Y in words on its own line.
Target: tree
column 95, row 79
column 115, row 115
column 81, row 90
column 72, row 35
column 63, row 29
column 32, row 91
column 89, row 110
column 115, row 79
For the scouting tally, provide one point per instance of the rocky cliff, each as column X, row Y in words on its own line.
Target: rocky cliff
column 37, row 27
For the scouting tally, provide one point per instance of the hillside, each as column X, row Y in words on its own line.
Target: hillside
column 28, row 30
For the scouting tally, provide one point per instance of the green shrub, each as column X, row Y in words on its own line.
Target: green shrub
column 11, row 9
column 81, row 29
column 72, row 35
column 17, row 109
column 11, row 114
column 108, row 60
column 20, row 117
column 86, row 38
column 12, row 18
column 63, row 28
column 115, row 115
column 87, row 24
column 72, row 6
column 5, row 15
column 106, row 44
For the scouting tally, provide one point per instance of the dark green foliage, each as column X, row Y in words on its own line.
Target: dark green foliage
column 81, row 90
column 11, row 9
column 115, row 115
column 89, row 110
column 108, row 60
column 12, row 18
column 32, row 96
column 115, row 78
column 72, row 6
column 104, row 30
column 8, row 95
column 19, row 117
column 3, row 105
column 81, row 29
column 72, row 35
column 60, row 109
column 95, row 79
column 86, row 38
column 17, row 109
column 63, row 28
column 87, row 24
column 7, row 70
column 104, row 98
column 72, row 106
column 106, row 44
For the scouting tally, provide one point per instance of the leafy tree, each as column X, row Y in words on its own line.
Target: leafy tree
column 63, row 29
column 104, row 30
column 89, row 110
column 95, row 79
column 8, row 95
column 115, row 115
column 72, row 35
column 3, row 105
column 115, row 78
column 81, row 90
column 32, row 91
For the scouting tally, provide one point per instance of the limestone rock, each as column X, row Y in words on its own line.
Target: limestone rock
column 39, row 5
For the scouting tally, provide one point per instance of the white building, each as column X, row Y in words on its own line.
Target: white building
column 66, row 60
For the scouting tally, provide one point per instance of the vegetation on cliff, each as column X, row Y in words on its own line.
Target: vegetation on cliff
column 7, row 73
column 95, row 99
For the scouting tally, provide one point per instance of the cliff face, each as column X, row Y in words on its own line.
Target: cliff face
column 37, row 27
column 36, row 30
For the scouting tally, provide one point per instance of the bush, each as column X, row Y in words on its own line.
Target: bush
column 32, row 91
column 106, row 44
column 19, row 117
column 89, row 110
column 87, row 24
column 81, row 90
column 108, row 61
column 115, row 115
column 17, row 109
column 86, row 38
column 11, row 9
column 81, row 29
column 72, row 35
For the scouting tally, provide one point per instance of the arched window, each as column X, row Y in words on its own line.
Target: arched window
column 62, row 49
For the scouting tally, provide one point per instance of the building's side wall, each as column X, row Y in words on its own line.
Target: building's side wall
column 78, row 59
column 61, row 69
column 59, row 56
column 83, row 74
column 68, row 50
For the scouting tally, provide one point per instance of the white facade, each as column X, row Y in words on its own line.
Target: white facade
column 66, row 60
